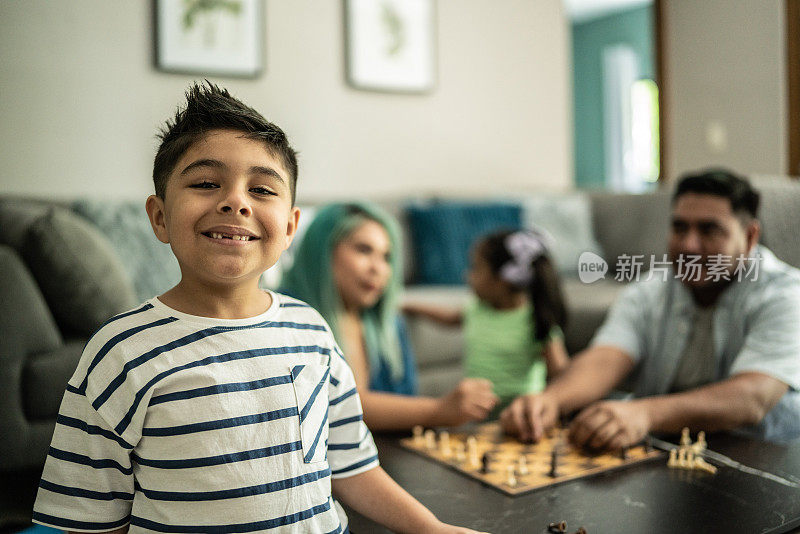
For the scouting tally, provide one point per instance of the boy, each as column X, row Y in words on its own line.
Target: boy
column 218, row 406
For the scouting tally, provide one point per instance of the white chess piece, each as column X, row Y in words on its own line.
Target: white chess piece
column 430, row 439
column 472, row 452
column 522, row 466
column 418, row 439
column 444, row 444
column 700, row 445
column 512, row 480
column 682, row 458
column 686, row 439
column 460, row 454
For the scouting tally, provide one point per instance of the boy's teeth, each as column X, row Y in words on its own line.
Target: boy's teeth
column 216, row 235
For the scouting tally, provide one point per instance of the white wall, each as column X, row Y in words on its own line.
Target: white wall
column 81, row 101
column 727, row 85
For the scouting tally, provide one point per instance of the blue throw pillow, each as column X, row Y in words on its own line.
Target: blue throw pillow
column 443, row 232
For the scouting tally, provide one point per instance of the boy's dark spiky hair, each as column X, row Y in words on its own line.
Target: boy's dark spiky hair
column 210, row 107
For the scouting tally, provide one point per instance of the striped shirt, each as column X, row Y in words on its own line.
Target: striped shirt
column 178, row 423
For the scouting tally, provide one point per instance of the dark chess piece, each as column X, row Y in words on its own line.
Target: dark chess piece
column 553, row 463
column 485, row 463
column 554, row 528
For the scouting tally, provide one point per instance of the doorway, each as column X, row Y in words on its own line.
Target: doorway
column 793, row 78
column 617, row 102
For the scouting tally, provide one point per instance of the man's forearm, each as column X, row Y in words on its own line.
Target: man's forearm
column 738, row 401
column 591, row 375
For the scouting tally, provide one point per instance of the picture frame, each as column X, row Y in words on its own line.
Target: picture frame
column 209, row 37
column 390, row 45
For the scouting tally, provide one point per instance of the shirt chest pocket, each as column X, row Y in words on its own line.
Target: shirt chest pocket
column 310, row 384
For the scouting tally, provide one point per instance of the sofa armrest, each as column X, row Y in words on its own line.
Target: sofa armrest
column 28, row 328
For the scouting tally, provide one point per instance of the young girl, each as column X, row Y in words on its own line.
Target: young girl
column 512, row 329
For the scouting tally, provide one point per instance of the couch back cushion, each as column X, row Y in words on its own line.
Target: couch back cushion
column 149, row 262
column 631, row 224
column 443, row 232
column 79, row 274
column 568, row 219
column 780, row 205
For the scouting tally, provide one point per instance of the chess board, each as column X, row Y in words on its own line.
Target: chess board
column 504, row 451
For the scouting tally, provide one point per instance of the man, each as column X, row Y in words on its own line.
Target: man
column 714, row 347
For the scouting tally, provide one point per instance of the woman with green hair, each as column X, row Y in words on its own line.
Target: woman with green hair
column 348, row 266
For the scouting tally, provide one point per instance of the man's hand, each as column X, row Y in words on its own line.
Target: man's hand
column 529, row 416
column 471, row 400
column 610, row 425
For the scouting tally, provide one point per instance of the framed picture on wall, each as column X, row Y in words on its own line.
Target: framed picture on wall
column 390, row 45
column 210, row 37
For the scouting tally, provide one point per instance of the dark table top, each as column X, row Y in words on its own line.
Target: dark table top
column 649, row 497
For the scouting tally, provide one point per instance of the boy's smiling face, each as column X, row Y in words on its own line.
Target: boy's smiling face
column 227, row 211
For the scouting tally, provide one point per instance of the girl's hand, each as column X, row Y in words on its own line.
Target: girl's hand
column 471, row 400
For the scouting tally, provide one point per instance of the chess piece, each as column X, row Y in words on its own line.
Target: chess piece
column 673, row 458
column 686, row 439
column 512, row 480
column 444, row 444
column 485, row 463
column 430, row 439
column 559, row 527
column 553, row 463
column 418, row 439
column 682, row 458
column 460, row 455
column 700, row 445
column 702, row 465
column 522, row 466
column 581, row 530
column 472, row 451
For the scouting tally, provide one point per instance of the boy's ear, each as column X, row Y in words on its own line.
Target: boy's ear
column 291, row 226
column 155, row 211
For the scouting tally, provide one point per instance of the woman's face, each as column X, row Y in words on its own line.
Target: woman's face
column 361, row 267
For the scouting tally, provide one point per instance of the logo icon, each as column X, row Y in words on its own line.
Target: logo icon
column 591, row 267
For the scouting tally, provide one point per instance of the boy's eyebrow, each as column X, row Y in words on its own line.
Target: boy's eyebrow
column 268, row 171
column 216, row 164
column 202, row 163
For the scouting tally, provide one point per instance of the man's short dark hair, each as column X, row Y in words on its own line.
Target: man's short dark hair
column 722, row 183
column 209, row 107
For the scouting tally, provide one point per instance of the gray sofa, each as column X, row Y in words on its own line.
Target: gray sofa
column 65, row 267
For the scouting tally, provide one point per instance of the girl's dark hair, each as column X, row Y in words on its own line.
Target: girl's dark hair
column 544, row 288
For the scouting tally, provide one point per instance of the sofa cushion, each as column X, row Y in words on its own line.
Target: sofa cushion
column 443, row 232
column 568, row 219
column 778, row 216
column 44, row 378
column 16, row 216
column 78, row 272
column 587, row 307
column 149, row 262
column 627, row 224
